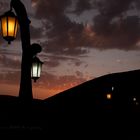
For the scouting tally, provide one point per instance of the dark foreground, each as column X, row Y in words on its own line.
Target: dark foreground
column 81, row 112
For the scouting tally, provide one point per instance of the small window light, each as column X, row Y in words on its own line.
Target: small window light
column 112, row 88
column 108, row 96
column 134, row 99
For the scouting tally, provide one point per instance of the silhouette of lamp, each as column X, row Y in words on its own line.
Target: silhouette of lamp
column 9, row 25
column 36, row 68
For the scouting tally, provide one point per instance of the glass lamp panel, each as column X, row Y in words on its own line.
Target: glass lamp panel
column 39, row 70
column 11, row 26
column 34, row 70
column 4, row 26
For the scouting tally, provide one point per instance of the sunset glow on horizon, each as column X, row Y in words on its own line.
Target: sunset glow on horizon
column 80, row 40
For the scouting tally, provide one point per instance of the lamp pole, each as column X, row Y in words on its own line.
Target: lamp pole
column 25, row 91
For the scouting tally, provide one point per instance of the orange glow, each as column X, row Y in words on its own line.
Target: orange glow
column 9, row 89
column 108, row 96
column 39, row 91
column 12, row 27
column 46, row 92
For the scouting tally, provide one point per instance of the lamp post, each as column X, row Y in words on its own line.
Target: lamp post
column 9, row 26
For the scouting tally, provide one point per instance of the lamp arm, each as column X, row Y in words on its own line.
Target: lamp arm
column 23, row 21
column 20, row 10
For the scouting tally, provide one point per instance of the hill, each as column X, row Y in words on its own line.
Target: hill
column 87, row 107
column 122, row 87
column 92, row 108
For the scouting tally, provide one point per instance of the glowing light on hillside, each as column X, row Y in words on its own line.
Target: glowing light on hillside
column 134, row 99
column 112, row 88
column 109, row 96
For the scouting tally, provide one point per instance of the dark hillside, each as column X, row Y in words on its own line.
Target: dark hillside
column 110, row 103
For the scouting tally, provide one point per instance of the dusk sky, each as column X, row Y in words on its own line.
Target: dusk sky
column 80, row 39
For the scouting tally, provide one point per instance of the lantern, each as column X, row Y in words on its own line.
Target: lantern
column 36, row 68
column 9, row 25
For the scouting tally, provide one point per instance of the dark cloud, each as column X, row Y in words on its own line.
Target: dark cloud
column 78, row 63
column 123, row 34
column 51, row 8
column 137, row 4
column 66, row 39
column 112, row 27
column 64, row 36
column 36, row 33
column 79, row 74
column 82, row 5
column 108, row 10
column 112, row 8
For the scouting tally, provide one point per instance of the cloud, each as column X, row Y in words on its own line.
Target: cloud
column 51, row 81
column 70, row 42
column 137, row 4
column 78, row 63
column 112, row 28
column 36, row 33
column 63, row 35
column 79, row 74
column 108, row 11
column 81, row 6
column 8, row 75
column 53, row 8
column 112, row 8
column 7, row 62
column 4, row 6
column 51, row 63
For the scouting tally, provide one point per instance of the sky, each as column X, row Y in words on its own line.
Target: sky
column 80, row 39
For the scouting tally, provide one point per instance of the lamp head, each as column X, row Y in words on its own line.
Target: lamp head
column 36, row 68
column 9, row 26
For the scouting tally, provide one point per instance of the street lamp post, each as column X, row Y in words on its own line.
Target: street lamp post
column 28, row 52
column 25, row 92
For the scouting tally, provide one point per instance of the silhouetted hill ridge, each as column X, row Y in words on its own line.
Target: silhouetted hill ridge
column 84, row 108
column 127, row 77
column 87, row 108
